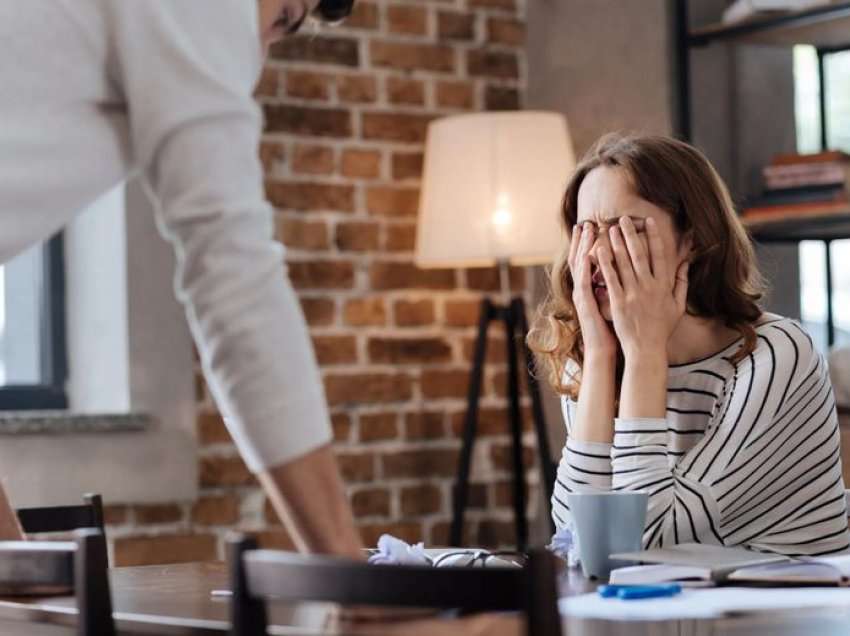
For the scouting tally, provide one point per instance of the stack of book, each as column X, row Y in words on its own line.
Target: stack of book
column 803, row 185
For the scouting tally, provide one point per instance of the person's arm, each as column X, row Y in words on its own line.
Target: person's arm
column 10, row 527
column 187, row 73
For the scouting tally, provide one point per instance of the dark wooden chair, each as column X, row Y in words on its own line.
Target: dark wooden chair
column 258, row 576
column 88, row 514
column 60, row 565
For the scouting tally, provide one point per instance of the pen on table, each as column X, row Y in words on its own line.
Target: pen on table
column 634, row 592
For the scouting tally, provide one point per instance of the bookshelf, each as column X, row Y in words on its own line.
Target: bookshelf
column 825, row 27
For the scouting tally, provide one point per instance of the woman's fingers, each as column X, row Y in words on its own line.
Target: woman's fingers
column 621, row 256
column 656, row 250
column 575, row 239
column 612, row 281
column 636, row 248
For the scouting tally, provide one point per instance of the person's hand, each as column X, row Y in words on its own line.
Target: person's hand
column 646, row 301
column 599, row 338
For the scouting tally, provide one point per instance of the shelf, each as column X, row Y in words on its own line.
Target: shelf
column 825, row 26
column 827, row 227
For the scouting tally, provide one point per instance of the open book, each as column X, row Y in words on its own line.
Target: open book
column 702, row 562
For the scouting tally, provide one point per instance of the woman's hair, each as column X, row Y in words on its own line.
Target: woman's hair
column 724, row 281
column 333, row 10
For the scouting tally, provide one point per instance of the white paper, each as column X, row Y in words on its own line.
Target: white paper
column 709, row 603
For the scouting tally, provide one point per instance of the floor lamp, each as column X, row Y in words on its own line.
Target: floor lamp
column 491, row 190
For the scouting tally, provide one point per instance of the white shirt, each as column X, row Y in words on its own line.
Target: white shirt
column 749, row 454
column 93, row 90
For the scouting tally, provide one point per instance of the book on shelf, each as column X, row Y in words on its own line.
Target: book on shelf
column 718, row 564
column 746, row 9
column 796, row 170
column 796, row 210
column 800, row 194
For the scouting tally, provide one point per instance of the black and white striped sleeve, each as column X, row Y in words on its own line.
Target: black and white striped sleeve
column 767, row 473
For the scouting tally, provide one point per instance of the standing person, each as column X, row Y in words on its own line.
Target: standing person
column 94, row 91
column 673, row 379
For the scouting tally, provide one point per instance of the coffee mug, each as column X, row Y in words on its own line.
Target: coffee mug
column 607, row 523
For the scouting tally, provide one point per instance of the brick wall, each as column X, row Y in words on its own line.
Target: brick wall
column 346, row 115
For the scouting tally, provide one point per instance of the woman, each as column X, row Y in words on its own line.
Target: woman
column 96, row 91
column 673, row 381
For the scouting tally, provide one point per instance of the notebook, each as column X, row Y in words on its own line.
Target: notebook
column 690, row 561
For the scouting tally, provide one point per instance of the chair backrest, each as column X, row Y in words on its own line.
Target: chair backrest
column 258, row 576
column 89, row 514
column 78, row 564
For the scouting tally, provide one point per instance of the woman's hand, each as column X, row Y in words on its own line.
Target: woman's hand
column 646, row 302
column 599, row 338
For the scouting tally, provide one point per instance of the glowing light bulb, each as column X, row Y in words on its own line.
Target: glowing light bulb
column 502, row 215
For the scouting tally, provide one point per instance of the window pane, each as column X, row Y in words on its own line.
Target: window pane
column 20, row 318
column 836, row 67
column 806, row 98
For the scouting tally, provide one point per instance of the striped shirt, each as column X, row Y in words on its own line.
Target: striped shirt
column 748, row 454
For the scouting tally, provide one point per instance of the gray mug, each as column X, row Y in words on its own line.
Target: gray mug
column 606, row 523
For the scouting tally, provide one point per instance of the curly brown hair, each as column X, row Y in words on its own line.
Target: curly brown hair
column 724, row 280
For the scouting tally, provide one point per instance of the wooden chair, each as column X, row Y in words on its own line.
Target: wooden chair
column 258, row 576
column 89, row 514
column 78, row 564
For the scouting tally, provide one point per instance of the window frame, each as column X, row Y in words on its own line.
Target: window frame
column 51, row 392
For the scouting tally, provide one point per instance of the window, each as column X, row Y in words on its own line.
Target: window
column 811, row 138
column 32, row 331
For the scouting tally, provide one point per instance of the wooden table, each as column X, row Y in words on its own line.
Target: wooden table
column 176, row 599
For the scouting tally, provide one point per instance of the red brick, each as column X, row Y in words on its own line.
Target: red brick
column 157, row 513
column 115, row 514
column 319, row 312
column 420, row 463
column 407, row 165
column 335, row 349
column 363, row 16
column 313, row 159
column 506, row 31
column 364, row 164
column 356, row 467
column 507, row 5
column 477, row 496
column 502, row 494
column 405, row 91
column 420, row 500
column 322, row 274
column 176, row 548
column 301, row 120
column 217, row 510
column 488, row 279
column 406, row 531
column 499, row 384
column 271, row 154
column 341, row 423
column 269, row 83
column 403, row 127
column 371, row 502
column 414, row 313
column 364, row 312
column 224, row 471
column 399, row 275
column 407, row 20
column 499, row 98
column 307, row 197
column 496, row 351
column 452, row 25
column 276, row 539
column 357, row 236
column 492, row 421
column 444, row 384
column 368, row 388
column 462, row 313
column 400, row 237
column 392, row 202
column 408, row 350
column 425, row 425
column 456, row 95
column 376, row 427
column 358, row 89
column 411, row 57
column 439, row 534
column 212, row 430
column 496, row 534
column 497, row 64
column 308, row 47
column 308, row 85
column 501, row 455
column 307, row 235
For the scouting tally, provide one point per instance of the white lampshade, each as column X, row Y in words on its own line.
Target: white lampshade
column 491, row 189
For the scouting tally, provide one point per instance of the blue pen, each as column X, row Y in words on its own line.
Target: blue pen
column 634, row 592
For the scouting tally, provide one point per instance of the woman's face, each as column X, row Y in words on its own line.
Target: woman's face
column 605, row 195
column 280, row 17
